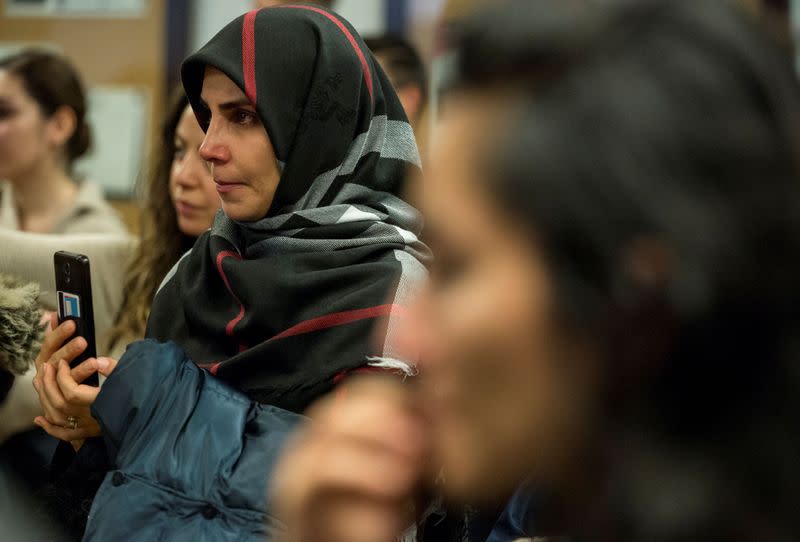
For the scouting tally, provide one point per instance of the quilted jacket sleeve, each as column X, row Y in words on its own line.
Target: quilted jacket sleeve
column 139, row 394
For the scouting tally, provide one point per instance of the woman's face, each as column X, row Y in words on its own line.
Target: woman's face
column 191, row 185
column 23, row 129
column 499, row 381
column 243, row 163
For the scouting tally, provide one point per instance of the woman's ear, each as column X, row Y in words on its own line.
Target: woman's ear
column 61, row 126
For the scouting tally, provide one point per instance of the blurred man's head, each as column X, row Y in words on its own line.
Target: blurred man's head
column 405, row 70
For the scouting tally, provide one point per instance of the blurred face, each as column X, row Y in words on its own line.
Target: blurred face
column 410, row 95
column 192, row 188
column 500, row 384
column 23, row 129
column 243, row 163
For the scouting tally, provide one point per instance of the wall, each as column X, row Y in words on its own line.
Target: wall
column 207, row 17
column 115, row 52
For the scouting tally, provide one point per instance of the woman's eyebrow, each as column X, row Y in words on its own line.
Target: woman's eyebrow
column 244, row 102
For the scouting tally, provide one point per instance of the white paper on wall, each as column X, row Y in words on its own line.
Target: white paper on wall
column 8, row 48
column 118, row 118
column 76, row 8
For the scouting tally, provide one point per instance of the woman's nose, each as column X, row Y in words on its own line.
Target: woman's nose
column 186, row 174
column 215, row 148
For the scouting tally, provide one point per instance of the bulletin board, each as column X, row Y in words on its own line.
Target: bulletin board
column 121, row 56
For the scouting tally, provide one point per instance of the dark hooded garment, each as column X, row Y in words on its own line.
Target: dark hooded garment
column 281, row 307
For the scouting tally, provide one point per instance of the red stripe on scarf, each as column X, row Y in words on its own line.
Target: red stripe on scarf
column 249, row 55
column 210, row 367
column 308, row 326
column 220, row 257
column 364, row 65
column 337, row 319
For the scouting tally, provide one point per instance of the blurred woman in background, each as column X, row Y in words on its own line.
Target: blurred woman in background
column 43, row 130
column 180, row 201
column 405, row 69
column 613, row 311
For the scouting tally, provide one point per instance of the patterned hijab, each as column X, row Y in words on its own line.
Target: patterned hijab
column 284, row 306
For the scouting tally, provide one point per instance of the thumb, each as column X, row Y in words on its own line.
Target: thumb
column 84, row 370
column 106, row 365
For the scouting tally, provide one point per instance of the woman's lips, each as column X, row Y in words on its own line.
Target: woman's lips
column 225, row 187
column 185, row 208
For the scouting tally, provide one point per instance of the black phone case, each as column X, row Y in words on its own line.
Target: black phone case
column 74, row 294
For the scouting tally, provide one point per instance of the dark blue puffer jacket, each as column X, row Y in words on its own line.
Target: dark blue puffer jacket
column 191, row 455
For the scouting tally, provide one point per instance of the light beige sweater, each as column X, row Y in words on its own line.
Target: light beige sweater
column 90, row 213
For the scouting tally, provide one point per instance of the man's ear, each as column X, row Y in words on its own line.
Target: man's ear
column 61, row 125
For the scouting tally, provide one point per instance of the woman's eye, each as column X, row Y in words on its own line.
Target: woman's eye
column 244, row 117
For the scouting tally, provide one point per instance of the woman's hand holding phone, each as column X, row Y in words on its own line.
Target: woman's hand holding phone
column 65, row 400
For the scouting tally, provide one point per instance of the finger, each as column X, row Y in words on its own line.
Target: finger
column 51, row 391
column 56, row 338
column 352, row 519
column 52, row 415
column 36, row 387
column 320, row 501
column 53, row 321
column 373, row 418
column 62, row 433
column 83, row 370
column 76, row 394
column 106, row 366
column 352, row 468
column 69, row 351
column 380, row 388
column 317, row 467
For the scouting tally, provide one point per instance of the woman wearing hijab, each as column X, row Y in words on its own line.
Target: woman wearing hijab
column 309, row 148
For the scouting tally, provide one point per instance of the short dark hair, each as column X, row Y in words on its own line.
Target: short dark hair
column 402, row 59
column 52, row 81
column 673, row 121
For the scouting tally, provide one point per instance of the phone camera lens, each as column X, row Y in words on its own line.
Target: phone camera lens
column 66, row 269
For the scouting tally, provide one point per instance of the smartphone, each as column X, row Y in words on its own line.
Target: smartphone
column 74, row 292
